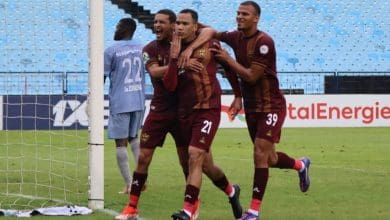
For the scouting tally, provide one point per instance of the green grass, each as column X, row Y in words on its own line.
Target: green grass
column 350, row 174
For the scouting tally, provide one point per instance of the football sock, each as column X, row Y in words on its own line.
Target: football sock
column 299, row 165
column 122, row 160
column 223, row 184
column 284, row 161
column 230, row 191
column 259, row 184
column 191, row 195
column 139, row 180
column 253, row 211
column 134, row 144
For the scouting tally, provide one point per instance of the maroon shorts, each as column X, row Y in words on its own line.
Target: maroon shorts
column 200, row 126
column 265, row 125
column 156, row 127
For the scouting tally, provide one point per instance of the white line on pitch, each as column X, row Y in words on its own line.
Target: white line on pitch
column 374, row 171
column 114, row 213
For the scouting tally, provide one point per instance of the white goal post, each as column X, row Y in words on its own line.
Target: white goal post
column 95, row 104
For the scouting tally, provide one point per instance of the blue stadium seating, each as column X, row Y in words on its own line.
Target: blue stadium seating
column 310, row 35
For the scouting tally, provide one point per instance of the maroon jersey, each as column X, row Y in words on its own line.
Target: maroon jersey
column 255, row 52
column 196, row 90
column 157, row 52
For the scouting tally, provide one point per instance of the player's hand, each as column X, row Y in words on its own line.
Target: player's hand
column 220, row 53
column 235, row 108
column 175, row 46
column 184, row 58
column 194, row 65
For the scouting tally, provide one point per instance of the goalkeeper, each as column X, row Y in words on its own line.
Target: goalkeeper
column 124, row 67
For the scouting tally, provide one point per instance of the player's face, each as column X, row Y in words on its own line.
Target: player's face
column 162, row 26
column 119, row 31
column 246, row 17
column 185, row 27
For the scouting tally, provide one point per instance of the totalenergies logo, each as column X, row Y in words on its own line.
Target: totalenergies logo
column 323, row 111
column 367, row 114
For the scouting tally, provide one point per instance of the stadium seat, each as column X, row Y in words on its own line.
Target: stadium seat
column 310, row 36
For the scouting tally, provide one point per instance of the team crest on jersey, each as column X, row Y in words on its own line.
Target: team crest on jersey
column 201, row 53
column 263, row 49
column 145, row 57
column 144, row 137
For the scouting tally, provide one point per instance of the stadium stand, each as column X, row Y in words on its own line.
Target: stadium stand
column 310, row 35
column 314, row 39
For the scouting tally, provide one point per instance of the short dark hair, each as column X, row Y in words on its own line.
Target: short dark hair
column 253, row 4
column 170, row 13
column 193, row 13
column 125, row 29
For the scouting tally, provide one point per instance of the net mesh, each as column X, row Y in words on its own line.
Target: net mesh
column 43, row 147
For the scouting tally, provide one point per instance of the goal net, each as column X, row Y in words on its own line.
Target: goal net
column 44, row 151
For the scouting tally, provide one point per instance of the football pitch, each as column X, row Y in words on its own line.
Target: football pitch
column 350, row 177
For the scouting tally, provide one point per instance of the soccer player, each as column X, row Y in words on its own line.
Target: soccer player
column 162, row 118
column 123, row 65
column 264, row 103
column 199, row 111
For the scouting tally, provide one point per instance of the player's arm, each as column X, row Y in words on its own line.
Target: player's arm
column 251, row 75
column 236, row 105
column 205, row 34
column 170, row 76
column 233, row 80
column 107, row 64
column 156, row 71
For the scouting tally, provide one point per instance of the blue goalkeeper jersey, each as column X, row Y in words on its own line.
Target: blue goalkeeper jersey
column 123, row 64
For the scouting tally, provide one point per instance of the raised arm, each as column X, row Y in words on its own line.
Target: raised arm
column 205, row 35
column 170, row 76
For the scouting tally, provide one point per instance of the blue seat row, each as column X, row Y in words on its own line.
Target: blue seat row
column 310, row 35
